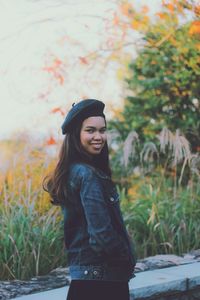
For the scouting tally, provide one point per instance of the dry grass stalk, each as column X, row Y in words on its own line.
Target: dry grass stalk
column 177, row 143
column 166, row 139
column 181, row 148
column 149, row 153
column 129, row 148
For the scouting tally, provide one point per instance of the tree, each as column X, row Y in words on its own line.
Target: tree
column 164, row 80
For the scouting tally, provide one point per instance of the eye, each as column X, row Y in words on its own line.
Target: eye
column 90, row 130
column 103, row 130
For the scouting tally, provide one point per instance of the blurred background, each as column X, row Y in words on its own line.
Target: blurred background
column 139, row 57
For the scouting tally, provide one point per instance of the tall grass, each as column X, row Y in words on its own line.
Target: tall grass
column 31, row 235
column 160, row 191
column 30, row 244
column 160, row 222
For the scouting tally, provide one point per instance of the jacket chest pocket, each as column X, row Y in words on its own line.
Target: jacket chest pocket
column 111, row 196
column 113, row 202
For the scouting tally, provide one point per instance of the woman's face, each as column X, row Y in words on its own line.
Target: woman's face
column 93, row 135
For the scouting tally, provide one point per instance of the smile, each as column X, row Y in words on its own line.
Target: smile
column 97, row 145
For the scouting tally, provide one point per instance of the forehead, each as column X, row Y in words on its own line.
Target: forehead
column 97, row 121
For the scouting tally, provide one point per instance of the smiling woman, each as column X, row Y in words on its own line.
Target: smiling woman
column 100, row 254
column 93, row 134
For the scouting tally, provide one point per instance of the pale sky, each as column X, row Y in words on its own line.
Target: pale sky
column 32, row 35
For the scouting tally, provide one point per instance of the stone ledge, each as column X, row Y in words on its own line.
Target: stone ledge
column 164, row 284
column 168, row 283
column 152, row 283
column 11, row 289
column 156, row 268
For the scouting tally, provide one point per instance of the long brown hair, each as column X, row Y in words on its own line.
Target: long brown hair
column 72, row 151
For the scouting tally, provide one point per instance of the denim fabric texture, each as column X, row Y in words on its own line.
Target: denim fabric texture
column 96, row 239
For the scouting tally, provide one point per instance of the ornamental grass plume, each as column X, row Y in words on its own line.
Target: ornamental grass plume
column 181, row 148
column 149, row 155
column 166, row 139
column 129, row 148
column 176, row 143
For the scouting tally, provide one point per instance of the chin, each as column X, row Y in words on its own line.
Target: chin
column 95, row 152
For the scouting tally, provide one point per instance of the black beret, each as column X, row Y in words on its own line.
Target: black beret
column 81, row 111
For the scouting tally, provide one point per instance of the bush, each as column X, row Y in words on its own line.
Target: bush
column 160, row 219
column 30, row 243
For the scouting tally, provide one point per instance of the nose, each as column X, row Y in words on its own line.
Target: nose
column 97, row 136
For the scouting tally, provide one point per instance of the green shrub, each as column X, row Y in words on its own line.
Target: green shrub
column 30, row 243
column 160, row 219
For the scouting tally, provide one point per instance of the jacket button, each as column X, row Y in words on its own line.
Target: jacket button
column 85, row 272
column 95, row 272
column 112, row 199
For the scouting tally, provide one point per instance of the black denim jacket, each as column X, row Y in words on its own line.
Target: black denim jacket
column 96, row 239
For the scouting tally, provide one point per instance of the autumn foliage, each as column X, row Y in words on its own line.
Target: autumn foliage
column 55, row 68
column 163, row 81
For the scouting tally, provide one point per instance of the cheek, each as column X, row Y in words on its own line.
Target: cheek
column 83, row 138
column 105, row 137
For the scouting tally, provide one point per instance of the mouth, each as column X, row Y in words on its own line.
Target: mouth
column 99, row 145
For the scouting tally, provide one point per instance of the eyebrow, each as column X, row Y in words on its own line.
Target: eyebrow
column 93, row 127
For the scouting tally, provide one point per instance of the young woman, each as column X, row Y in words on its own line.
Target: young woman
column 100, row 255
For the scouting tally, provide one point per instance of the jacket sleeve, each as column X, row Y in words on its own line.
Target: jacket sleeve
column 103, row 237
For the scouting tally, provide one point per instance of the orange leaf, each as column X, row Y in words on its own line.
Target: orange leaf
column 145, row 9
column 48, row 69
column 197, row 10
column 51, row 141
column 195, row 28
column 135, row 24
column 57, row 62
column 84, row 96
column 83, row 60
column 58, row 109
column 60, row 78
column 170, row 7
column 115, row 19
column 161, row 15
column 126, row 9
